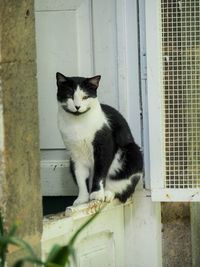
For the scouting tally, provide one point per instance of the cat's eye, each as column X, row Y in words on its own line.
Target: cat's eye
column 85, row 97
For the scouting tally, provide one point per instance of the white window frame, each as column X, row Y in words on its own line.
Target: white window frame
column 159, row 192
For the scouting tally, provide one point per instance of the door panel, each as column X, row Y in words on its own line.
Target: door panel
column 97, row 250
column 57, row 50
column 79, row 37
column 105, row 49
column 86, row 38
column 101, row 244
column 76, row 40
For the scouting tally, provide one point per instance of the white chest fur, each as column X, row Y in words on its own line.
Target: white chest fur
column 78, row 132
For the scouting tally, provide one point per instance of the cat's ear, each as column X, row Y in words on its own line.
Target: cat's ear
column 60, row 78
column 94, row 80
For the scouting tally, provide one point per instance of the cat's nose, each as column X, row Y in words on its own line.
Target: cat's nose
column 77, row 107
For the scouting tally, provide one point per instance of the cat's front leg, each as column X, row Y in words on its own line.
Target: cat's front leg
column 98, row 191
column 81, row 174
column 81, row 199
column 101, row 194
column 102, row 161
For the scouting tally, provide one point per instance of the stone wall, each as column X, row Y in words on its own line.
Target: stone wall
column 20, row 198
column 176, row 235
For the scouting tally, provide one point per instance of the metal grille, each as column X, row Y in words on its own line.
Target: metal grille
column 180, row 72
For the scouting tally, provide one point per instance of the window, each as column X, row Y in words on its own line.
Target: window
column 177, row 97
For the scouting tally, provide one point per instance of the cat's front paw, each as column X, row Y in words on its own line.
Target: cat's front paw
column 81, row 200
column 97, row 195
column 109, row 196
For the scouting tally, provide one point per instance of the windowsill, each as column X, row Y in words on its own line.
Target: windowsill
column 83, row 210
column 93, row 206
column 58, row 228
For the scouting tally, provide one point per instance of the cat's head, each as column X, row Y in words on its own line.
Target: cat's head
column 76, row 94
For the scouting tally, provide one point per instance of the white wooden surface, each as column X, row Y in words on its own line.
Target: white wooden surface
column 144, row 92
column 176, row 195
column 57, row 179
column 122, row 235
column 146, row 227
column 129, row 20
column 102, row 242
column 87, row 38
column 60, row 47
column 154, row 90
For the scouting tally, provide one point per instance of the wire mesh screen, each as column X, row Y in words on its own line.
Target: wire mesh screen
column 180, row 36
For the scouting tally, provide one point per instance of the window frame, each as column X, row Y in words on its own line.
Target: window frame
column 154, row 88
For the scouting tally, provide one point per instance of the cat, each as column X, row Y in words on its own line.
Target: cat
column 105, row 162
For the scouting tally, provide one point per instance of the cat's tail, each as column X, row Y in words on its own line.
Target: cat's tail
column 130, row 188
column 133, row 158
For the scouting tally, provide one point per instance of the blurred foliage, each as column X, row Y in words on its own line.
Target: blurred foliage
column 59, row 256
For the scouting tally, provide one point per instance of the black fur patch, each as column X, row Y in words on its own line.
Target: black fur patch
column 129, row 191
column 131, row 154
column 104, row 151
column 68, row 85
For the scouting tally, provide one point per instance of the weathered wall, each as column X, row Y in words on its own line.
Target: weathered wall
column 19, row 148
column 176, row 235
column 195, row 231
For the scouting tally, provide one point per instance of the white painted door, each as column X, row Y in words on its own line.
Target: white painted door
column 86, row 38
column 100, row 245
column 77, row 38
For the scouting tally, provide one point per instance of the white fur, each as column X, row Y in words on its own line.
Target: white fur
column 78, row 98
column 116, row 164
column 81, row 129
column 109, row 196
column 78, row 101
column 98, row 195
column 81, row 171
column 78, row 133
column 119, row 186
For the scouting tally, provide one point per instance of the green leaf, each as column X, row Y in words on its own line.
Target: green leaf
column 18, row 242
column 72, row 240
column 1, row 224
column 53, row 253
column 13, row 229
column 21, row 262
column 50, row 264
column 73, row 254
column 60, row 256
column 23, row 244
column 2, row 258
column 5, row 241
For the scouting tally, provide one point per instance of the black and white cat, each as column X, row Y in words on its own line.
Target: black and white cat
column 105, row 160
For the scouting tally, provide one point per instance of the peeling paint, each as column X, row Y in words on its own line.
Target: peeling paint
column 86, row 209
